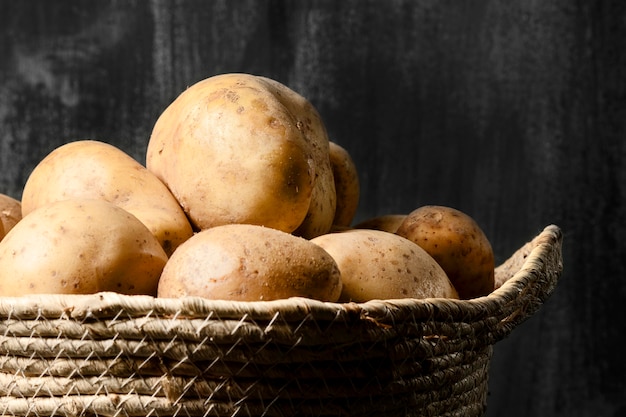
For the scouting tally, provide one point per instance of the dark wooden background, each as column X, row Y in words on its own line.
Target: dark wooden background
column 514, row 112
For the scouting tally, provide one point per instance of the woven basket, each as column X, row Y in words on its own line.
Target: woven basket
column 113, row 355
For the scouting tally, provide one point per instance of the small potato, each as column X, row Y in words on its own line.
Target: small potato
column 386, row 222
column 93, row 169
column 347, row 186
column 10, row 212
column 80, row 246
column 457, row 243
column 250, row 263
column 240, row 148
column 381, row 265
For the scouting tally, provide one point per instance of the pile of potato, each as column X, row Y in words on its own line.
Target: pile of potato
column 242, row 197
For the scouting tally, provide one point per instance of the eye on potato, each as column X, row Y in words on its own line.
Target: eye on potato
column 93, row 169
column 381, row 265
column 80, row 246
column 250, row 263
column 239, row 148
column 457, row 243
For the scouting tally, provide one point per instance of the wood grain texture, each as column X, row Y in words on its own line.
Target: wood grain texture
column 513, row 112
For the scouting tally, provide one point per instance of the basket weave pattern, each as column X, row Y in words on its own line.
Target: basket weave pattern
column 113, row 355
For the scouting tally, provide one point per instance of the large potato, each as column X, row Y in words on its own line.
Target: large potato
column 347, row 187
column 250, row 263
column 93, row 169
column 457, row 243
column 381, row 265
column 80, row 246
column 10, row 213
column 239, row 148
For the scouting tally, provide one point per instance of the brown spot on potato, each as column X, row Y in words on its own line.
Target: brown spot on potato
column 259, row 105
column 167, row 246
column 274, row 123
column 232, row 96
column 216, row 94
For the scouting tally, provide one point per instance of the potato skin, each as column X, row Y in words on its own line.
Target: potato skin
column 238, row 148
column 250, row 263
column 385, row 222
column 80, row 246
column 94, row 169
column 347, row 185
column 381, row 265
column 10, row 213
column 457, row 243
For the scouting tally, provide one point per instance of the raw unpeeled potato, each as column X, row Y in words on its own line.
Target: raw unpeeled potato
column 457, row 243
column 10, row 213
column 80, row 246
column 94, row 169
column 381, row 265
column 250, row 263
column 240, row 148
column 347, row 185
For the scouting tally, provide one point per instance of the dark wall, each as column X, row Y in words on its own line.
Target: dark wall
column 513, row 112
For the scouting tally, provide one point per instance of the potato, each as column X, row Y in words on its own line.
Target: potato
column 239, row 148
column 385, row 222
column 457, row 243
column 93, row 169
column 250, row 263
column 347, row 187
column 80, row 246
column 381, row 265
column 10, row 213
